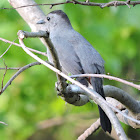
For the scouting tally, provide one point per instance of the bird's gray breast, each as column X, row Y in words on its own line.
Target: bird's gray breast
column 67, row 56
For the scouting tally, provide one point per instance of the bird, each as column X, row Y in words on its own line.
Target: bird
column 76, row 56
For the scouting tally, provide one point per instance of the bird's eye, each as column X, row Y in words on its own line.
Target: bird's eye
column 48, row 18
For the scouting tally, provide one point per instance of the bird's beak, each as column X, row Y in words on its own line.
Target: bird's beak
column 41, row 22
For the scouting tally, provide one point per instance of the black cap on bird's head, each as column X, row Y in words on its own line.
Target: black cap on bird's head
column 61, row 14
column 56, row 20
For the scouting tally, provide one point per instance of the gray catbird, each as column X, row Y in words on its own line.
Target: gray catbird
column 76, row 55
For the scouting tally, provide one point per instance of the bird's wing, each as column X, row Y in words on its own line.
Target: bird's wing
column 69, row 60
column 90, row 59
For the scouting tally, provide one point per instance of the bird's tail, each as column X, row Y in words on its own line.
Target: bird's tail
column 104, row 120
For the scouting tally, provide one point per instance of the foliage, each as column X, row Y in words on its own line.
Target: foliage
column 31, row 98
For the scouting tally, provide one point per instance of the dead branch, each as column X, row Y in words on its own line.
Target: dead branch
column 16, row 74
column 108, row 77
column 10, row 68
column 12, row 43
column 86, row 3
column 3, row 78
column 5, row 51
column 95, row 126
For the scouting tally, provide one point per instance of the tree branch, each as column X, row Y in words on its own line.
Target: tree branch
column 123, row 97
column 16, row 74
column 87, row 3
column 10, row 68
column 7, row 41
column 3, row 78
column 108, row 77
column 5, row 51
column 96, row 97
column 95, row 126
column 112, row 104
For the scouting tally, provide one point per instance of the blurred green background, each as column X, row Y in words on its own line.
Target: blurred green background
column 30, row 105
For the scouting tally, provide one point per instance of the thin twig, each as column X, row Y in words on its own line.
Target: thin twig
column 3, row 123
column 3, row 79
column 5, row 51
column 102, row 5
column 17, row 73
column 115, row 3
column 107, row 77
column 95, row 126
column 16, row 44
column 10, row 68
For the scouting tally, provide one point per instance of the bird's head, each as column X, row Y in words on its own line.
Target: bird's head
column 56, row 21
